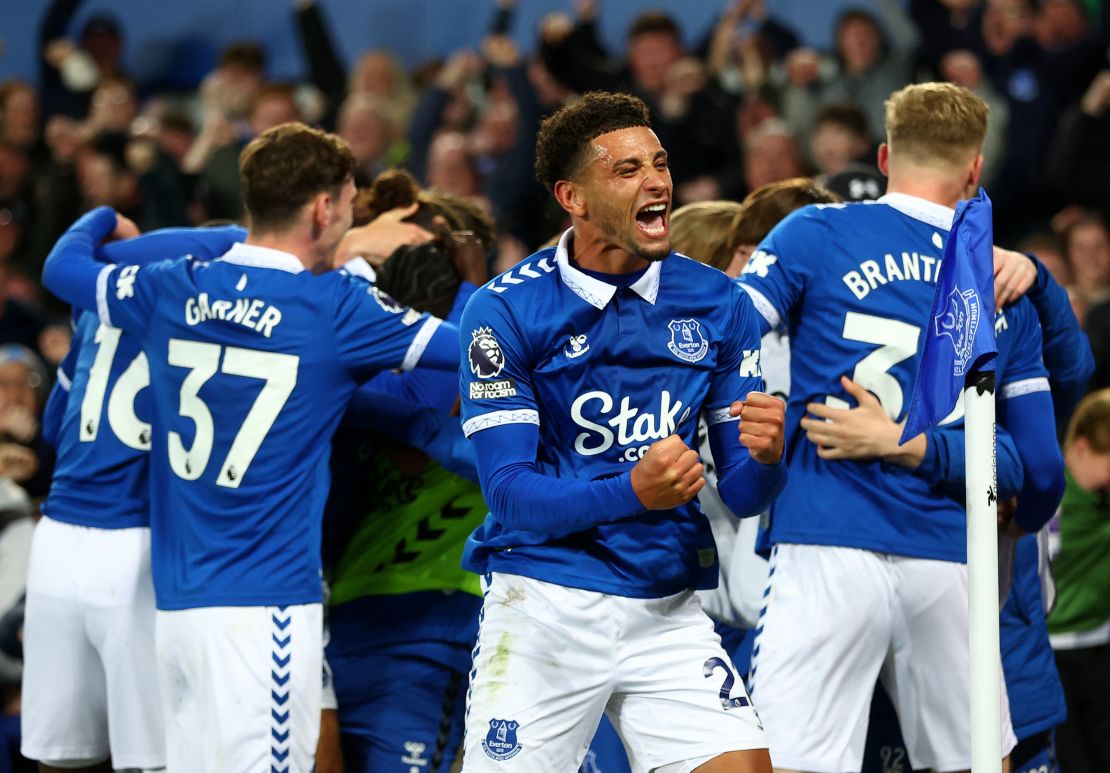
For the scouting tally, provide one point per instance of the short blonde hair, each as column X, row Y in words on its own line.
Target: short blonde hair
column 1091, row 421
column 703, row 231
column 935, row 123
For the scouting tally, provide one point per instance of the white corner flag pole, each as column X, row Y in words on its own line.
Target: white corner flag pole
column 982, row 571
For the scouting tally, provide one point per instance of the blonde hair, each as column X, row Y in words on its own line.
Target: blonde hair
column 1091, row 421
column 703, row 231
column 935, row 123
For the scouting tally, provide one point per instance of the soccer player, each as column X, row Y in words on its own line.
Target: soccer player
column 90, row 602
column 252, row 360
column 588, row 365
column 853, row 284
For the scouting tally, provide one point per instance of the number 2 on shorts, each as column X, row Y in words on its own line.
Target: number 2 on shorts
column 727, row 702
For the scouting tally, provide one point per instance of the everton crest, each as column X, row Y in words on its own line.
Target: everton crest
column 500, row 742
column 484, row 354
column 687, row 342
column 959, row 321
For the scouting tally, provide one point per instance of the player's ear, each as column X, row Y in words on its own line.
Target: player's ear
column 974, row 172
column 317, row 213
column 569, row 195
column 883, row 159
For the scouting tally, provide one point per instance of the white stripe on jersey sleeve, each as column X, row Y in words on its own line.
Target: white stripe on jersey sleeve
column 497, row 418
column 719, row 416
column 63, row 380
column 358, row 266
column 763, row 306
column 102, row 294
column 1024, row 387
column 420, row 343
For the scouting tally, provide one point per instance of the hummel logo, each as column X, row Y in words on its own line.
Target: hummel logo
column 576, row 347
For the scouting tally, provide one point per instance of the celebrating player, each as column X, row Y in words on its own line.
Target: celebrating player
column 587, row 367
column 252, row 359
column 90, row 601
column 853, row 283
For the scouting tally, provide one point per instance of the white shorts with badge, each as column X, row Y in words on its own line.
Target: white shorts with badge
column 550, row 659
column 836, row 619
column 90, row 684
column 241, row 688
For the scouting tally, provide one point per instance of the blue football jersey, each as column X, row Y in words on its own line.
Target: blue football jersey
column 252, row 360
column 605, row 371
column 853, row 285
column 101, row 477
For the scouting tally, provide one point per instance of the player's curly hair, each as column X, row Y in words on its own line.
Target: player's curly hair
column 563, row 143
column 396, row 189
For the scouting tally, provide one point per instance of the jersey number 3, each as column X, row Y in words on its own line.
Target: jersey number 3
column 897, row 342
column 278, row 371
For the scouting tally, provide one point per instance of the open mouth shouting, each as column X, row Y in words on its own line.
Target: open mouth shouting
column 652, row 219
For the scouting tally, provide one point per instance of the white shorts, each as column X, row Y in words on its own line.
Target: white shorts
column 837, row 619
column 90, row 684
column 241, row 688
column 549, row 660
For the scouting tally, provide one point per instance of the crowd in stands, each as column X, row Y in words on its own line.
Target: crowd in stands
column 747, row 106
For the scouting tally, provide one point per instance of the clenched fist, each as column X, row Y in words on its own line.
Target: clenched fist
column 668, row 475
column 762, row 421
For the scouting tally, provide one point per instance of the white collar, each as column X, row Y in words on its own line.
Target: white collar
column 936, row 215
column 242, row 254
column 596, row 292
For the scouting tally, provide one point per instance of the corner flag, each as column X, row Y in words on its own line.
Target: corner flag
column 960, row 334
column 959, row 353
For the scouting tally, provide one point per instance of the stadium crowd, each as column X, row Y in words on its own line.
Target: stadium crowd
column 445, row 162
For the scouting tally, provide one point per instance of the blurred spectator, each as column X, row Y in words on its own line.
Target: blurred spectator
column 874, row 58
column 963, row 68
column 380, row 75
column 691, row 114
column 371, row 135
column 230, row 89
column 20, row 323
column 124, row 174
column 271, row 105
column 114, row 106
column 1079, row 625
column 1080, row 161
column 1087, row 250
column 228, row 94
column 839, row 139
column 24, row 456
column 945, row 25
column 771, row 154
column 445, row 105
column 20, row 115
column 1037, row 84
column 451, row 165
column 504, row 140
column 1049, row 250
column 745, row 45
column 70, row 71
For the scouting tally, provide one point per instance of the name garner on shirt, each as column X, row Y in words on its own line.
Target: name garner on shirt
column 248, row 312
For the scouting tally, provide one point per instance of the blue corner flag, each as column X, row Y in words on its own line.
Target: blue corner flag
column 960, row 334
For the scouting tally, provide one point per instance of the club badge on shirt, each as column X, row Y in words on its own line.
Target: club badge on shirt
column 687, row 341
